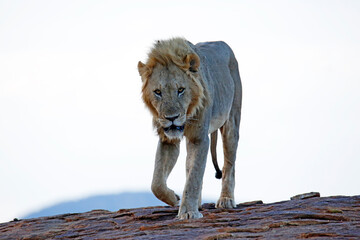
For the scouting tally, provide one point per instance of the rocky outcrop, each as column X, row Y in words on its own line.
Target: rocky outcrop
column 306, row 216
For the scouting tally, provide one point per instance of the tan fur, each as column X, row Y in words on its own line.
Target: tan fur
column 189, row 96
column 174, row 51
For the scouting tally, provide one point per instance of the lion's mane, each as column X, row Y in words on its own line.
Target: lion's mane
column 179, row 52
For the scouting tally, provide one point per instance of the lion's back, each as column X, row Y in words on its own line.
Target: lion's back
column 218, row 63
column 218, row 52
column 221, row 75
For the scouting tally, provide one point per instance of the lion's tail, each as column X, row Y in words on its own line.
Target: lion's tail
column 218, row 173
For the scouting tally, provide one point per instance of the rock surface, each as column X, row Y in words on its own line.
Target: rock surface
column 326, row 217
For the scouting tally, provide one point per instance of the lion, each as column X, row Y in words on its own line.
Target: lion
column 192, row 91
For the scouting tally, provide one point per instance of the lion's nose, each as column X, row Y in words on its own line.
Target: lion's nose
column 172, row 118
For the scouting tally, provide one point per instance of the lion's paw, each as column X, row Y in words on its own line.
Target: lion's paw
column 177, row 199
column 173, row 199
column 190, row 215
column 166, row 195
column 225, row 202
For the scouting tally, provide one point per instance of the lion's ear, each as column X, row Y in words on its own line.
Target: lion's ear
column 142, row 68
column 192, row 62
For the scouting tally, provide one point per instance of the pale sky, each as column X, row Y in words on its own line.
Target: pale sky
column 72, row 123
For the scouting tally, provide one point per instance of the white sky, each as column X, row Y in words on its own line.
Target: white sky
column 72, row 123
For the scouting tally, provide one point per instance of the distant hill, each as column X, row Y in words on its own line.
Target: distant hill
column 111, row 202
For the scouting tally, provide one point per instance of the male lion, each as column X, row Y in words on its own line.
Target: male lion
column 192, row 91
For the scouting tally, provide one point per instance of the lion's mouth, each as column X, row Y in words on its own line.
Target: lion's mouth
column 174, row 127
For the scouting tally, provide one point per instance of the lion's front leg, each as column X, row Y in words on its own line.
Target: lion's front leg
column 195, row 167
column 166, row 156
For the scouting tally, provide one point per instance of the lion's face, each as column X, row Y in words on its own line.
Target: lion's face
column 172, row 89
column 169, row 92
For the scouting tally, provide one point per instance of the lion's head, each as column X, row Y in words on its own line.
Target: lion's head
column 172, row 89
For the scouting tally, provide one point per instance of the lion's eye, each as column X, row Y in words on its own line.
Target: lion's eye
column 181, row 91
column 157, row 92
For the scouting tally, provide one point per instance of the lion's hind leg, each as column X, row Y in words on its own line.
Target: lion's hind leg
column 230, row 136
